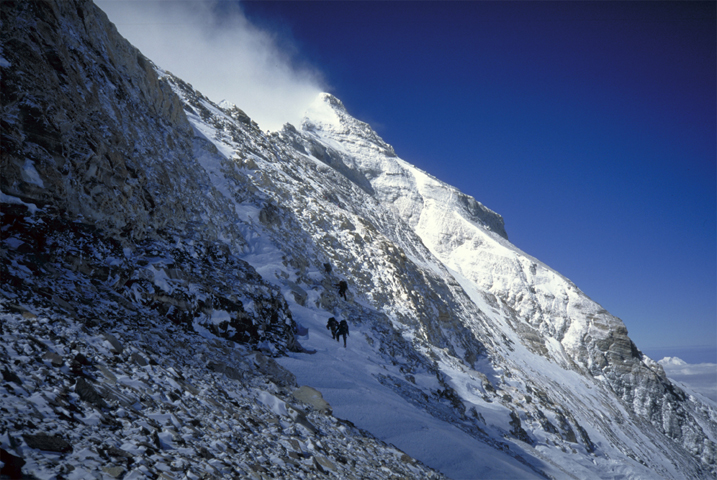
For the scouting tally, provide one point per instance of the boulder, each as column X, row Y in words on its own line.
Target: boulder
column 87, row 392
column 116, row 344
column 114, row 471
column 230, row 372
column 312, row 397
column 273, row 370
column 48, row 443
column 9, row 376
column 54, row 359
column 138, row 359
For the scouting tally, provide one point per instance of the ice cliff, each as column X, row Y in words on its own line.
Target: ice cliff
column 163, row 258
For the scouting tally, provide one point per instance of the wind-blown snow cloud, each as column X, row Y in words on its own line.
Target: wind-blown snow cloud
column 701, row 377
column 214, row 47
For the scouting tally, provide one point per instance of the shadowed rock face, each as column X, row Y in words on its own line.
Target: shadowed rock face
column 88, row 127
column 190, row 286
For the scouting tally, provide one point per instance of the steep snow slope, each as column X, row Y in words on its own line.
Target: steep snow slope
column 464, row 352
column 551, row 316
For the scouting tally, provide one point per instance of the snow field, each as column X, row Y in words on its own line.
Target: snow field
column 346, row 379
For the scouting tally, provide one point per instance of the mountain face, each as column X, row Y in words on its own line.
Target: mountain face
column 168, row 270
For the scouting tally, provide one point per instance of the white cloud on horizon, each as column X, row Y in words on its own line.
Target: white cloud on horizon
column 224, row 57
column 698, row 377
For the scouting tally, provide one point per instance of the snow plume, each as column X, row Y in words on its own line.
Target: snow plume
column 213, row 46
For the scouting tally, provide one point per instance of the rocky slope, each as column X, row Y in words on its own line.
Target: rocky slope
column 105, row 376
column 154, row 244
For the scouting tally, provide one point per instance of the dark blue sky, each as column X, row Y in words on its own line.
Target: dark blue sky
column 589, row 126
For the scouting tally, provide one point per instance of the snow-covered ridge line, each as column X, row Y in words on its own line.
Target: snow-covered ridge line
column 328, row 120
column 554, row 306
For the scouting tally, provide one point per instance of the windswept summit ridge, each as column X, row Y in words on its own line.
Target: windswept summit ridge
column 394, row 180
column 328, row 114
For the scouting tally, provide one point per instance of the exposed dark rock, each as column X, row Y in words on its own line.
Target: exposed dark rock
column 113, row 451
column 138, row 359
column 12, row 467
column 77, row 363
column 49, row 443
column 230, row 372
column 304, row 422
column 10, row 376
column 87, row 392
column 273, row 370
column 55, row 359
column 155, row 440
column 567, row 430
column 116, row 344
column 204, row 453
column 39, row 343
column 518, row 431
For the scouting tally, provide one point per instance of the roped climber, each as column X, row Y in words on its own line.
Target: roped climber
column 342, row 330
column 333, row 326
column 342, row 288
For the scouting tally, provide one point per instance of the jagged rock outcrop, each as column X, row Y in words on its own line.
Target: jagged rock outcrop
column 89, row 129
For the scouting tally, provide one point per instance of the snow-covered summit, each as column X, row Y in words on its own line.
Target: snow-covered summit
column 328, row 115
column 326, row 110
column 394, row 180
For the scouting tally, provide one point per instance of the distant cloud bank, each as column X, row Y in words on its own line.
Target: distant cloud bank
column 700, row 377
column 214, row 47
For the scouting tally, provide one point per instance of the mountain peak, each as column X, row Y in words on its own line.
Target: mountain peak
column 331, row 101
column 326, row 111
column 328, row 116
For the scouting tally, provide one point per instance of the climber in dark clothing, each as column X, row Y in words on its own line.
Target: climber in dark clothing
column 343, row 330
column 343, row 286
column 332, row 325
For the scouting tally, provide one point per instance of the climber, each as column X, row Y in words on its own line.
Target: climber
column 343, row 330
column 332, row 325
column 342, row 287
